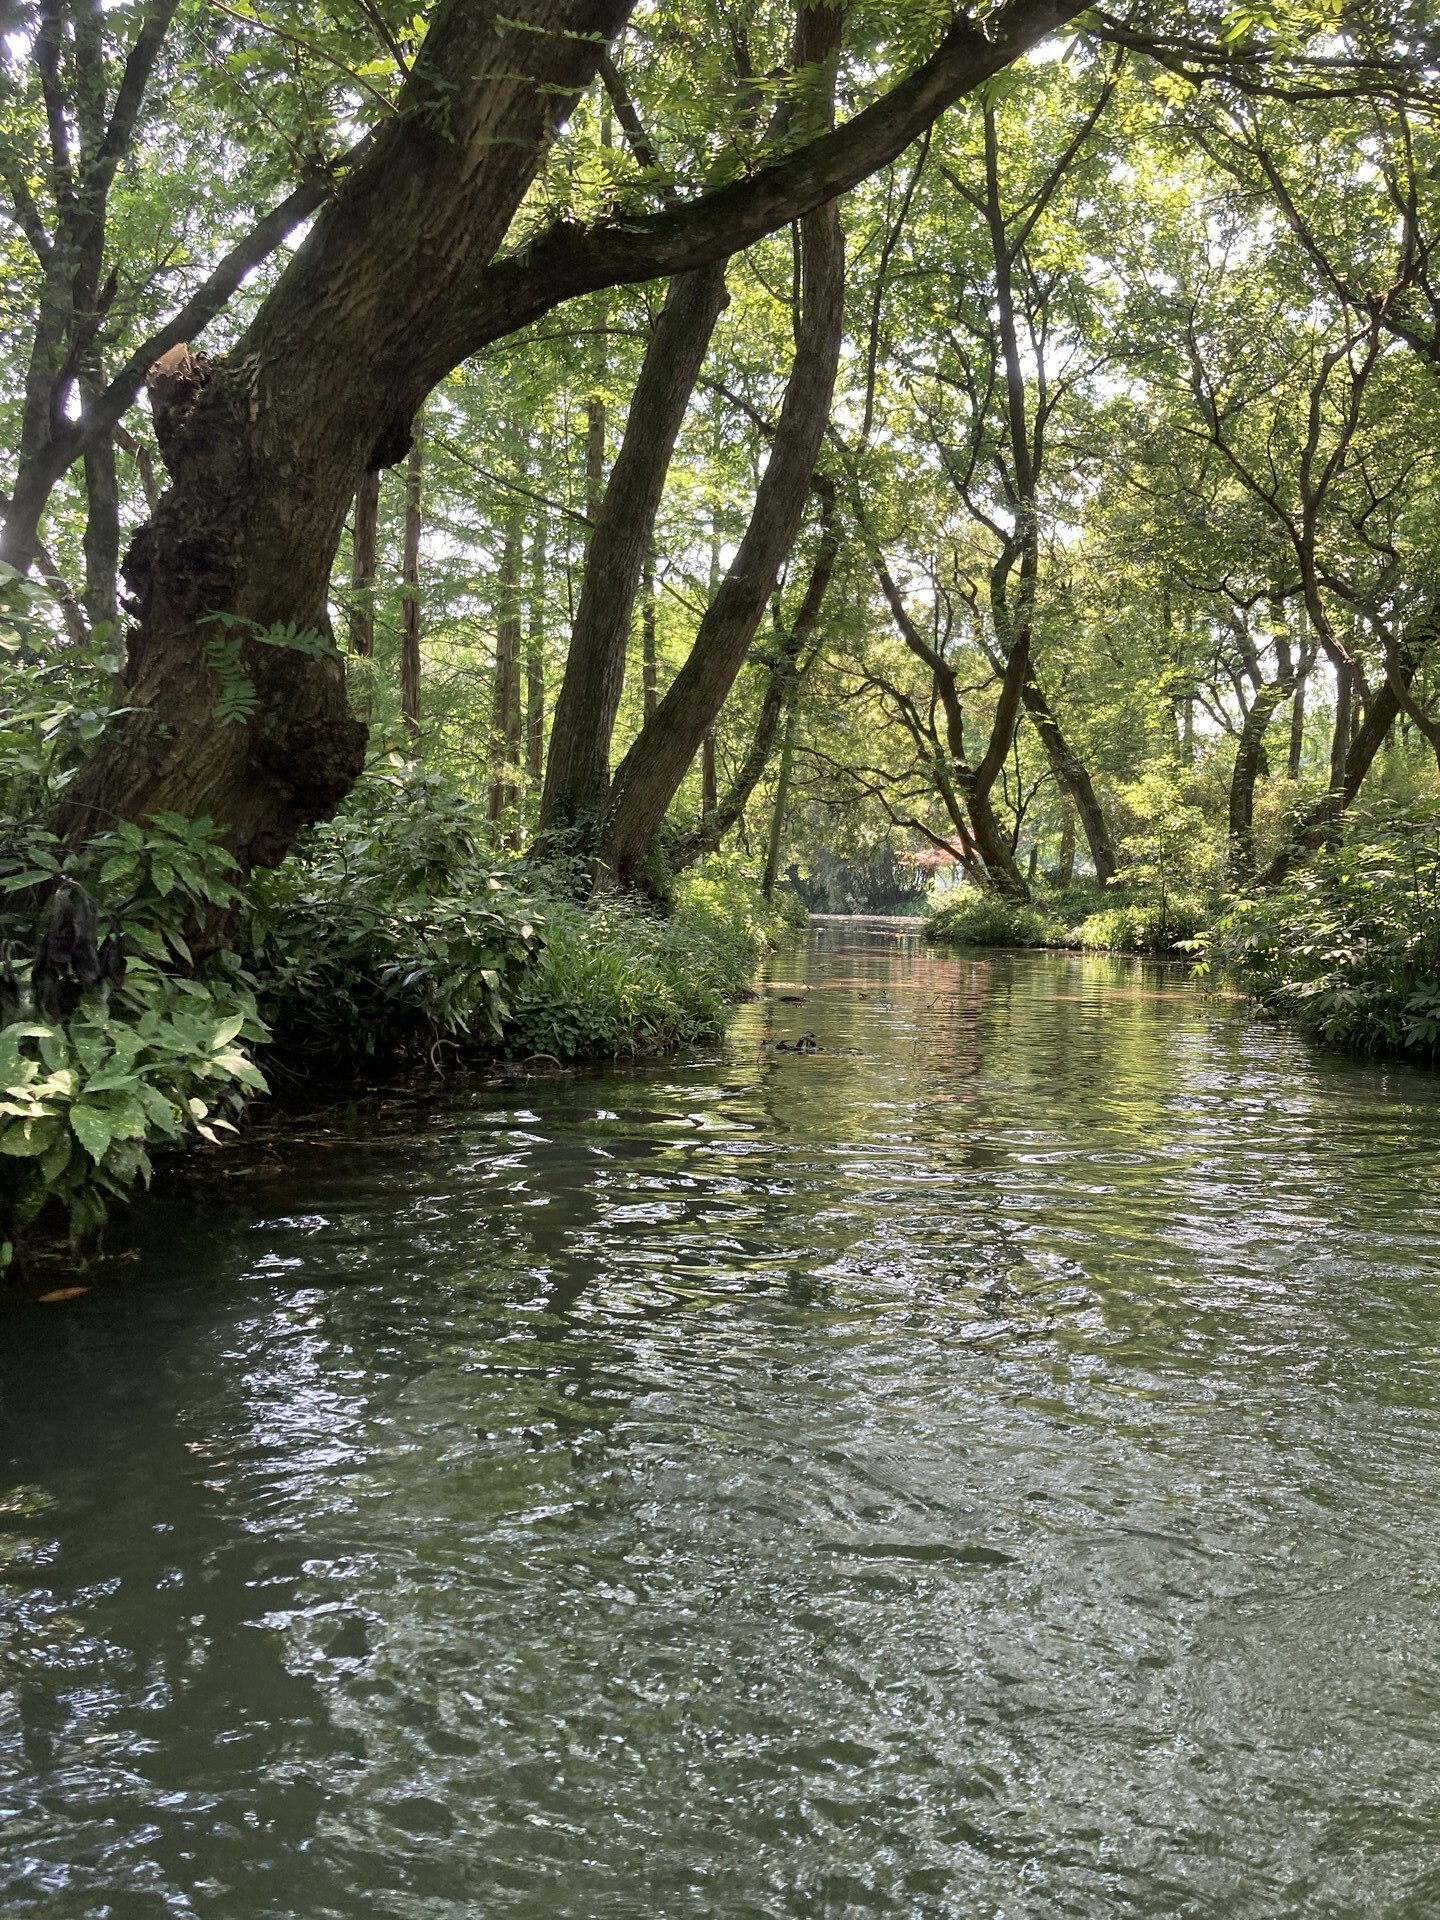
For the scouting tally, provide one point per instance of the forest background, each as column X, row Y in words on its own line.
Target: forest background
column 496, row 503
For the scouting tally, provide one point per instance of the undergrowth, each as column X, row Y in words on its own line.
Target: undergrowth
column 1130, row 922
column 1349, row 947
column 391, row 935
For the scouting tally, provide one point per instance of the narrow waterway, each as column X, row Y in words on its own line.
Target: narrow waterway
column 987, row 1467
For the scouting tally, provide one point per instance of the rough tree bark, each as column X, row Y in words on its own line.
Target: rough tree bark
column 649, row 663
column 263, row 447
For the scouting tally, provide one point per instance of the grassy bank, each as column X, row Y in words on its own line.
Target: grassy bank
column 1129, row 922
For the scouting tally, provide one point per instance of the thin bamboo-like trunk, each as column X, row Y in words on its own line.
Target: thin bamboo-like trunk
column 410, row 591
column 535, row 657
column 505, row 720
column 362, row 565
column 782, row 795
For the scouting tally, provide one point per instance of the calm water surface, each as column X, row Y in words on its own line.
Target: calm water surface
column 989, row 1468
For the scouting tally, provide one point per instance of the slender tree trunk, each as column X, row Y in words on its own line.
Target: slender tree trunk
column 1297, row 723
column 1065, row 866
column 102, row 535
column 410, row 592
column 958, row 781
column 535, row 657
column 362, row 565
column 649, row 665
column 1248, row 757
column 1323, row 818
column 650, row 774
column 781, row 693
column 578, row 769
column 782, row 797
column 505, row 719
column 1073, row 779
column 1340, row 739
column 709, row 778
column 594, row 458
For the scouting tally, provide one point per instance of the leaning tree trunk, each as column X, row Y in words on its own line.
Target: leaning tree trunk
column 391, row 289
column 1072, row 777
column 264, row 446
column 1320, row 822
column 1248, row 757
column 578, row 770
column 781, row 693
column 650, row 774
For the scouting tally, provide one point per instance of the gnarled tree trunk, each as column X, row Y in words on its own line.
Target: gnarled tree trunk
column 263, row 447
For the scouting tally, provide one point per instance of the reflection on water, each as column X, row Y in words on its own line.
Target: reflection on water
column 992, row 1471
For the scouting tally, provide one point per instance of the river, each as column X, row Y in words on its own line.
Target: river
column 988, row 1466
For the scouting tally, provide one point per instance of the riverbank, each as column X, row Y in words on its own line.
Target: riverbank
column 390, row 940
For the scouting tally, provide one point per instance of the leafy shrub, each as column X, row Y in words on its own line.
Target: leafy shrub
column 981, row 919
column 386, row 933
column 1142, row 926
column 1350, row 946
column 158, row 1054
column 613, row 979
column 159, row 1059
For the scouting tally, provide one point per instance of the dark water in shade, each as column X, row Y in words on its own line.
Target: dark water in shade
column 995, row 1472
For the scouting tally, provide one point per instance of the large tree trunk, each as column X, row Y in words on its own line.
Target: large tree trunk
column 263, row 447
column 386, row 294
column 578, row 770
column 651, row 772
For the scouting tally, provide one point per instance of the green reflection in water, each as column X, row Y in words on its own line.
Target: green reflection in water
column 986, row 1467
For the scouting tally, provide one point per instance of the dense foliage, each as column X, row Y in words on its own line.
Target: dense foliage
column 1350, row 946
column 1052, row 509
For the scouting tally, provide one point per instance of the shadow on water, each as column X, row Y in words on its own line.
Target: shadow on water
column 983, row 1466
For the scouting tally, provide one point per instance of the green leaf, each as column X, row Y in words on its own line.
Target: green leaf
column 91, row 1126
column 27, row 1139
